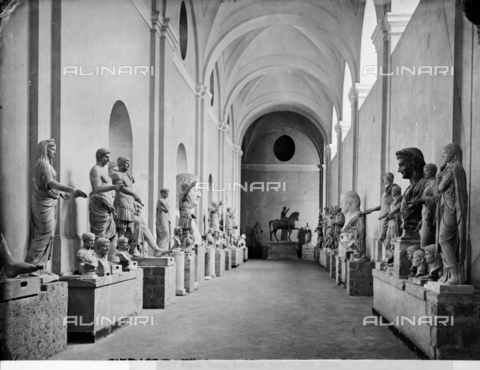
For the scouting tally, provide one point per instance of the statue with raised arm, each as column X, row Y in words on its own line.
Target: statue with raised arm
column 354, row 222
column 188, row 199
column 384, row 208
column 163, row 221
column 213, row 215
column 452, row 215
column 101, row 207
column 283, row 214
column 46, row 192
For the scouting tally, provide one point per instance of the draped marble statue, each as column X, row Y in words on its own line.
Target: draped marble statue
column 163, row 221
column 452, row 215
column 46, row 192
column 214, row 219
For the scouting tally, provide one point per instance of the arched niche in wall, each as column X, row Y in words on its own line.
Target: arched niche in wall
column 182, row 163
column 120, row 138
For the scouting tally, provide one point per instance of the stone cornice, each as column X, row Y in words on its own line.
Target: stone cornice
column 166, row 31
column 380, row 34
column 281, row 167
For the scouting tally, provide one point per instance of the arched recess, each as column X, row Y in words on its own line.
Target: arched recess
column 120, row 137
column 182, row 163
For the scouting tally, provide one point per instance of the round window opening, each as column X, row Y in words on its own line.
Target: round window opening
column 284, row 148
column 183, row 30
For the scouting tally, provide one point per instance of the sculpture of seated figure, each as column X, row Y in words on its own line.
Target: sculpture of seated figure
column 123, row 250
column 354, row 222
column 418, row 261
column 86, row 256
column 410, row 251
column 435, row 266
column 188, row 241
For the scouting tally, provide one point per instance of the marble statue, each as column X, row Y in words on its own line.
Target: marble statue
column 86, row 256
column 123, row 250
column 177, row 236
column 213, row 215
column 410, row 251
column 209, row 238
column 384, row 208
column 103, row 251
column 410, row 165
column 11, row 267
column 283, row 214
column 257, row 233
column 125, row 199
column 419, row 265
column 287, row 225
column 394, row 220
column 163, row 221
column 112, row 168
column 354, row 222
column 319, row 230
column 230, row 216
column 428, row 201
column 188, row 241
column 188, row 199
column 101, row 210
column 46, row 192
column 242, row 241
column 338, row 221
column 452, row 215
column 435, row 266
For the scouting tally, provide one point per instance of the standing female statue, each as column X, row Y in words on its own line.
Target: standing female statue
column 43, row 207
column 163, row 222
column 452, row 215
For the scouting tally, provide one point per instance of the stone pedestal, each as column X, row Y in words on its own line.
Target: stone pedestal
column 189, row 272
column 159, row 286
column 245, row 254
column 155, row 261
column 32, row 319
column 324, row 259
column 235, row 254
column 228, row 259
column 240, row 256
column 401, row 264
column 219, row 262
column 283, row 250
column 378, row 253
column 332, row 257
column 209, row 263
column 308, row 252
column 199, row 265
column 355, row 276
column 98, row 306
column 179, row 257
column 443, row 326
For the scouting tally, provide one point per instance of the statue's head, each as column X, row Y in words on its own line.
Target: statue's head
column 102, row 245
column 350, row 202
column 429, row 171
column 284, row 209
column 46, row 150
column 214, row 204
column 452, row 153
column 123, row 244
column 88, row 240
column 210, row 231
column 411, row 250
column 103, row 156
column 430, row 253
column 112, row 168
column 123, row 164
column 243, row 236
column 178, row 231
column 229, row 210
column 164, row 193
column 388, row 178
column 418, row 257
column 410, row 162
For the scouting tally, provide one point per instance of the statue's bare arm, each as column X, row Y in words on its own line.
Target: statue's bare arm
column 96, row 181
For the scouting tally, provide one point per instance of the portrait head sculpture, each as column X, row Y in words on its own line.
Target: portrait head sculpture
column 164, row 193
column 430, row 170
column 102, row 245
column 410, row 163
column 123, row 245
column 388, row 178
column 103, row 156
column 88, row 240
column 411, row 250
column 112, row 168
column 349, row 203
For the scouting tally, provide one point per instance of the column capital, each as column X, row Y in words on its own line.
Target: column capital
column 395, row 24
column 379, row 36
column 167, row 32
column 327, row 152
column 358, row 93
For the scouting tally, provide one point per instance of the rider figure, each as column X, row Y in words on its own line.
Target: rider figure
column 283, row 215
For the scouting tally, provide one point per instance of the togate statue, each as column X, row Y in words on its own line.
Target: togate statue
column 287, row 224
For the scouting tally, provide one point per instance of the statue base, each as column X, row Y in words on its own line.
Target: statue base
column 31, row 319
column 378, row 251
column 245, row 254
column 179, row 257
column 199, row 265
column 401, row 263
column 380, row 266
column 159, row 286
column 442, row 288
column 324, row 259
column 235, row 254
column 210, row 263
column 355, row 276
column 332, row 257
column 219, row 262
column 228, row 258
column 189, row 273
column 308, row 252
column 443, row 326
column 99, row 306
column 283, row 250
column 155, row 261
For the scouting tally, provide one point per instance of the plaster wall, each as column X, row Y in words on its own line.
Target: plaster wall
column 347, row 172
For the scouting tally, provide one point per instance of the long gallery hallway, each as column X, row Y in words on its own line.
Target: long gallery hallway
column 260, row 310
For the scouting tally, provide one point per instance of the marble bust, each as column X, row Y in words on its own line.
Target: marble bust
column 354, row 222
column 86, row 256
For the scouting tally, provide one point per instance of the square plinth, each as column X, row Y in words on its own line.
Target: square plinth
column 210, row 263
column 189, row 276
column 245, row 254
column 282, row 250
column 159, row 286
column 332, row 256
column 98, row 306
column 199, row 264
column 228, row 258
column 32, row 327
column 219, row 262
column 443, row 326
column 308, row 252
column 235, row 254
column 155, row 261
column 324, row 259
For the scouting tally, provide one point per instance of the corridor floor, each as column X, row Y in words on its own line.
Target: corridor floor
column 261, row 310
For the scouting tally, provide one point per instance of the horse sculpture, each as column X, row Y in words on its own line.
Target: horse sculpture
column 288, row 225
